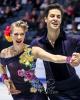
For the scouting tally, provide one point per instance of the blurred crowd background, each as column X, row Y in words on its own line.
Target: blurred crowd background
column 32, row 11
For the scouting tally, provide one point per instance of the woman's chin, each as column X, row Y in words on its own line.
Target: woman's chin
column 19, row 43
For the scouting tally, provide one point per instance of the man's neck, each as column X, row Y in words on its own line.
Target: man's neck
column 53, row 35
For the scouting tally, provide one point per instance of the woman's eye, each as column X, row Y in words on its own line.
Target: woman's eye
column 16, row 34
column 22, row 34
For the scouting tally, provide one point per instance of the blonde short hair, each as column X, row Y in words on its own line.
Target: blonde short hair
column 21, row 24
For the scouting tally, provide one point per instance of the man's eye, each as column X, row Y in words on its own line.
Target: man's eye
column 59, row 16
column 52, row 15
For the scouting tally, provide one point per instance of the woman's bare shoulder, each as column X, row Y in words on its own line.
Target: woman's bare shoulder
column 4, row 53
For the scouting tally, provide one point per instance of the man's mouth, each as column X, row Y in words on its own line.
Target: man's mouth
column 55, row 24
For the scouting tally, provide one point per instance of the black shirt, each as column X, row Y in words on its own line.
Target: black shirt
column 58, row 71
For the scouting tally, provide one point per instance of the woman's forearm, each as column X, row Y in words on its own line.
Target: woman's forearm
column 3, row 73
column 59, row 59
column 2, row 69
column 42, row 54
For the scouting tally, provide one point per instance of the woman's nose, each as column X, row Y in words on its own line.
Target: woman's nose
column 19, row 36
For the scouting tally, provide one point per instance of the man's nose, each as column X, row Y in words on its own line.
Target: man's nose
column 55, row 17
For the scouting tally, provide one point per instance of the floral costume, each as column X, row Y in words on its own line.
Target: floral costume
column 22, row 72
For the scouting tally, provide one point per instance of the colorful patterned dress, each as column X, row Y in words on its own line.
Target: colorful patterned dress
column 22, row 72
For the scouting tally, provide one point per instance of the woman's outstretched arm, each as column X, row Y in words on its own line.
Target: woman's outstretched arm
column 42, row 54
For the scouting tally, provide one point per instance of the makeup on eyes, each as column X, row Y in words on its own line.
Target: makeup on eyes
column 16, row 34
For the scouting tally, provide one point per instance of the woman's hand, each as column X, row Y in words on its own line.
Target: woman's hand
column 11, row 88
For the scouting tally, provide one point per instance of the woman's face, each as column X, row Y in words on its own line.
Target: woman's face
column 18, row 35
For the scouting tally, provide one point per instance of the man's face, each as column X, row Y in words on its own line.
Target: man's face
column 53, row 19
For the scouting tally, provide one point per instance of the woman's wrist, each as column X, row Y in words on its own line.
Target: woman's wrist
column 4, row 77
column 68, row 59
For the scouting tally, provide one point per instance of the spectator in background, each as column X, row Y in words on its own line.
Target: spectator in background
column 74, row 28
column 77, row 9
column 37, row 4
column 8, row 12
column 41, row 30
column 44, row 4
column 29, row 6
column 69, row 13
column 74, row 33
column 2, row 18
column 16, row 5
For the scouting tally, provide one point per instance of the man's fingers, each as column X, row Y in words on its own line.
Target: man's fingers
column 75, row 54
column 74, row 62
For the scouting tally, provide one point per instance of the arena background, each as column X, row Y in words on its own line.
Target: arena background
column 32, row 11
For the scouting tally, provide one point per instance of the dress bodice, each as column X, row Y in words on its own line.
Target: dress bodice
column 22, row 71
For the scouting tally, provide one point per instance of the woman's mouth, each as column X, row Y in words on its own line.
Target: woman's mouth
column 18, row 41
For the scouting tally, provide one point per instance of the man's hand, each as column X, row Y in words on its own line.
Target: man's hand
column 11, row 87
column 75, row 60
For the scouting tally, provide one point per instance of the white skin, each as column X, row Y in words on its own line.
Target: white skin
column 18, row 36
column 53, row 21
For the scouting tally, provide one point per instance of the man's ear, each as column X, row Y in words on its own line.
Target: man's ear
column 45, row 19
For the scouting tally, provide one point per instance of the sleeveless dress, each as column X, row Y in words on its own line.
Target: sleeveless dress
column 22, row 72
